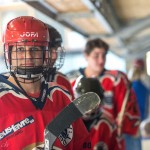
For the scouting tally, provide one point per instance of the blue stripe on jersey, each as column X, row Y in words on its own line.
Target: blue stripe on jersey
column 66, row 91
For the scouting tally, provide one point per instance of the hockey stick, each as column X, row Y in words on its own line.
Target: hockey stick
column 122, row 112
column 76, row 109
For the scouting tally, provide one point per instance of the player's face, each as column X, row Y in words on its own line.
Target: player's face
column 27, row 56
column 51, row 59
column 96, row 59
column 53, row 55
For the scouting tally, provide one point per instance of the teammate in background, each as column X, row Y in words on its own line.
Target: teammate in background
column 27, row 103
column 141, row 90
column 102, row 129
column 57, row 60
column 119, row 99
column 142, row 93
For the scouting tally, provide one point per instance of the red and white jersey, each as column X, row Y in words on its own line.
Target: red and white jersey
column 62, row 80
column 56, row 77
column 22, row 124
column 104, row 135
column 115, row 85
column 59, row 78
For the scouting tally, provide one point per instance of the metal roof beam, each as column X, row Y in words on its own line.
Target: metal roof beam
column 98, row 15
column 132, row 30
column 139, row 44
column 104, row 13
column 129, row 31
column 106, row 18
column 136, row 44
column 139, row 53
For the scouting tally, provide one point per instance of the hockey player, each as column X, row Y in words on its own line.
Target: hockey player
column 57, row 60
column 102, row 129
column 119, row 99
column 27, row 103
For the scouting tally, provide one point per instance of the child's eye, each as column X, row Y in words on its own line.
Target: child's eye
column 20, row 49
column 34, row 49
column 95, row 56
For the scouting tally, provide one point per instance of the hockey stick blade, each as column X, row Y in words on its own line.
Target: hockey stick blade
column 76, row 109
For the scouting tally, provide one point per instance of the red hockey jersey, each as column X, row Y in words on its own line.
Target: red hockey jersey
column 22, row 124
column 104, row 135
column 116, row 88
column 62, row 80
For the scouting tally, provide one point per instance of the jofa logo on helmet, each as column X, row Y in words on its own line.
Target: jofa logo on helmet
column 29, row 34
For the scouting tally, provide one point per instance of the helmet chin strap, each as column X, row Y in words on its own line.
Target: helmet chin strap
column 29, row 73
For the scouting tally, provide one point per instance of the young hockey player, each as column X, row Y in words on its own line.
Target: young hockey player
column 119, row 99
column 57, row 60
column 27, row 103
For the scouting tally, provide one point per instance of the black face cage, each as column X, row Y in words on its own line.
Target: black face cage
column 27, row 68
